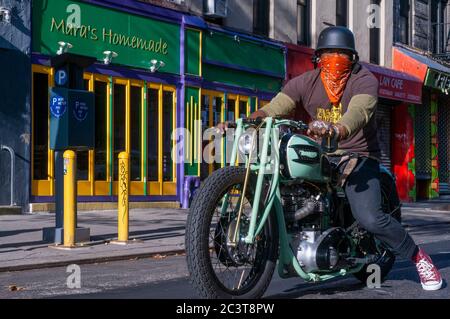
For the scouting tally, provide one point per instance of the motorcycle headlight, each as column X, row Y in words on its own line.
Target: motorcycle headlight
column 245, row 143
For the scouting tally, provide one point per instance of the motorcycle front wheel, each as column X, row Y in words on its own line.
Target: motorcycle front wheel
column 220, row 263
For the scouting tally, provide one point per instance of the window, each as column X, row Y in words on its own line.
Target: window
column 342, row 12
column 168, row 118
column 101, row 104
column 152, row 135
column 125, row 120
column 404, row 36
column 119, row 129
column 243, row 108
column 217, row 109
column 437, row 27
column 160, row 124
column 135, row 133
column 205, row 109
column 83, row 155
column 303, row 22
column 375, row 39
column 261, row 14
column 231, row 106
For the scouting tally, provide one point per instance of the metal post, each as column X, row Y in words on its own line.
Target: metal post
column 70, row 193
column 13, row 165
column 123, row 211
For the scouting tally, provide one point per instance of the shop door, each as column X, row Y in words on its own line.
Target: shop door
column 383, row 118
column 212, row 109
column 444, row 144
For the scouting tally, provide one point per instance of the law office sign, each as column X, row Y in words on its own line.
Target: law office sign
column 438, row 80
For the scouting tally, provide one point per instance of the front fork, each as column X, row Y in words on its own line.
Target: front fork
column 270, row 165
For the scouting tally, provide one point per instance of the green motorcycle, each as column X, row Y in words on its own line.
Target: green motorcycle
column 282, row 203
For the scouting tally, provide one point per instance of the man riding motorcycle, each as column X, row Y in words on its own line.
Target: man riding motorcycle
column 341, row 97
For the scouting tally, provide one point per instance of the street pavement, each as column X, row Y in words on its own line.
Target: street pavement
column 167, row 277
column 156, row 231
column 156, row 267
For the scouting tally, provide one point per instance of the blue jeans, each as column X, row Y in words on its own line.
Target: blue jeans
column 364, row 195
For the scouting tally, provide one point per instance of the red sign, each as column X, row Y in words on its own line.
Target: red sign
column 395, row 85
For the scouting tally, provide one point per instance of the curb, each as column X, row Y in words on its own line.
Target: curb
column 97, row 260
column 10, row 210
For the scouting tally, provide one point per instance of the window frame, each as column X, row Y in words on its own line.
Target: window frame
column 261, row 23
column 408, row 18
column 306, row 38
column 344, row 15
column 161, row 187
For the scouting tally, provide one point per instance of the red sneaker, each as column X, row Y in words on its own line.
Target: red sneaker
column 430, row 278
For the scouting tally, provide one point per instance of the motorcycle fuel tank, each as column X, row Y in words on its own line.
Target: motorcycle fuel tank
column 301, row 158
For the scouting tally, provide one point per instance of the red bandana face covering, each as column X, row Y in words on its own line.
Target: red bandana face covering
column 336, row 69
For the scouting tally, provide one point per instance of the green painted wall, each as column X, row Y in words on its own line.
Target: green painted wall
column 243, row 79
column 221, row 47
column 93, row 29
column 192, row 52
column 226, row 50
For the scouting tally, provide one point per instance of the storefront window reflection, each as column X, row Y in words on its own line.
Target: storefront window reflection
column 101, row 96
column 135, row 133
column 167, row 135
column 152, row 135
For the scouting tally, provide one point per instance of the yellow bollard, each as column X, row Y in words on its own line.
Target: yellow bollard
column 70, row 195
column 124, row 181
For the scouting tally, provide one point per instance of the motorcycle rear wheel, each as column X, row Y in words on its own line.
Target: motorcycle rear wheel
column 218, row 270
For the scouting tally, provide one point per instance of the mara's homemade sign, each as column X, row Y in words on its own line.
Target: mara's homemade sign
column 94, row 29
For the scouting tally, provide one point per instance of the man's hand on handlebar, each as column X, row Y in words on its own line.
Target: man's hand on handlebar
column 319, row 129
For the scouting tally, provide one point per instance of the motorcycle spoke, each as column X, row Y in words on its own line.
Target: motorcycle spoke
column 228, row 268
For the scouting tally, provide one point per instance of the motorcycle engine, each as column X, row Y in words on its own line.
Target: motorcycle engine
column 318, row 245
column 322, row 251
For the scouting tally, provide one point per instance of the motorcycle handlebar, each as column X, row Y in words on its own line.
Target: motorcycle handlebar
column 257, row 121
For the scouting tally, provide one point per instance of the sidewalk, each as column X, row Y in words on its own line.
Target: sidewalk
column 158, row 231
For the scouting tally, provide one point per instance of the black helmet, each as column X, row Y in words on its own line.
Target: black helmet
column 336, row 38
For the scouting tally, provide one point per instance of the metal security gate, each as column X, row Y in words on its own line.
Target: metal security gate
column 383, row 118
column 444, row 144
column 423, row 138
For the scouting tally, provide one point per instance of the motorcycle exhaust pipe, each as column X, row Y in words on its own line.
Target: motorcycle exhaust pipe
column 309, row 208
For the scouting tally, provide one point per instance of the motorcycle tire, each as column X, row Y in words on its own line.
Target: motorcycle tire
column 198, row 249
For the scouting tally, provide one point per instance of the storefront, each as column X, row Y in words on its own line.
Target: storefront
column 431, row 122
column 135, row 109
column 397, row 91
column 201, row 75
column 228, row 76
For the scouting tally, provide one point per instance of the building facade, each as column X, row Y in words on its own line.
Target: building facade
column 171, row 69
column 420, row 48
column 193, row 63
column 15, row 105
